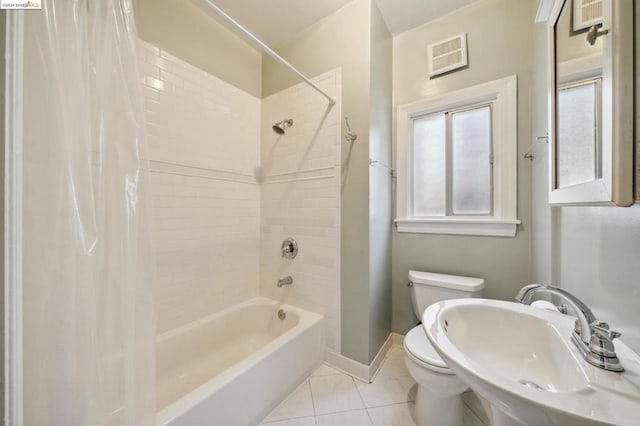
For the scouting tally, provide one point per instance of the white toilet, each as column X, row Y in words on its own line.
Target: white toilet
column 438, row 400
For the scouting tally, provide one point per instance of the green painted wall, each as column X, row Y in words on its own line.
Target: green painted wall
column 380, row 183
column 499, row 34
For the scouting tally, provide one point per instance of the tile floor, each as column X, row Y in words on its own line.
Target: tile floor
column 330, row 397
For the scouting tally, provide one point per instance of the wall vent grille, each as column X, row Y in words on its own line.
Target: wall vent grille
column 447, row 55
column 586, row 13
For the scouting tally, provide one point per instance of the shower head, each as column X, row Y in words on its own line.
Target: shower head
column 280, row 127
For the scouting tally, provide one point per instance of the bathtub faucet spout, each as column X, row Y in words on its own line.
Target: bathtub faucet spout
column 285, row 281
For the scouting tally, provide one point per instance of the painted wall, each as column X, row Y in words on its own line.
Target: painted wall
column 344, row 39
column 380, row 184
column 595, row 249
column 184, row 30
column 500, row 40
column 541, row 252
column 300, row 198
column 204, row 146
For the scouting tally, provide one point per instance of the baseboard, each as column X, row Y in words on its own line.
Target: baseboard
column 347, row 365
column 361, row 371
column 377, row 361
column 397, row 339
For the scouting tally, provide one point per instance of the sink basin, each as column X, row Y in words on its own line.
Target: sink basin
column 522, row 360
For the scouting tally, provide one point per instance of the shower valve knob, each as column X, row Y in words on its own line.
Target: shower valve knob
column 289, row 248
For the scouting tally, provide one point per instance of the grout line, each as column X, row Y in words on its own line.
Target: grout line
column 341, row 411
column 390, row 403
column 347, row 411
column 286, row 420
column 359, row 394
column 369, row 415
column 313, row 402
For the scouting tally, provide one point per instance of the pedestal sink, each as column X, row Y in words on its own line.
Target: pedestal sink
column 522, row 360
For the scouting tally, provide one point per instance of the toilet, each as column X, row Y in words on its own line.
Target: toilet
column 438, row 399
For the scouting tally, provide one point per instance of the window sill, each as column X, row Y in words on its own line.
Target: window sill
column 459, row 226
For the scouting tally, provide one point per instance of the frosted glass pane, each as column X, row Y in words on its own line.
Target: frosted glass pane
column 471, row 161
column 429, row 165
column 577, row 134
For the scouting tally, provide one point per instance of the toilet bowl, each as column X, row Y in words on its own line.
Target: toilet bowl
column 438, row 398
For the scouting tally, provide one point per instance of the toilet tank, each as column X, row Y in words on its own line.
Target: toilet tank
column 428, row 288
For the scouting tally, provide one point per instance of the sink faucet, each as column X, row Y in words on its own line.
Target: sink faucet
column 592, row 337
column 285, row 281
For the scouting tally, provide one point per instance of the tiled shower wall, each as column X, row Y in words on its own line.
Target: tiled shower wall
column 227, row 190
column 204, row 146
column 300, row 177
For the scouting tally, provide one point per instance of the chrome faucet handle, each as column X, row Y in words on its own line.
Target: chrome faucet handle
column 601, row 328
column 602, row 352
column 602, row 339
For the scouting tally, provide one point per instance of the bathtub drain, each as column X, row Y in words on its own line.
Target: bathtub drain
column 281, row 314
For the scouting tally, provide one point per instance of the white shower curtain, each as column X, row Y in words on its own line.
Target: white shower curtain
column 89, row 318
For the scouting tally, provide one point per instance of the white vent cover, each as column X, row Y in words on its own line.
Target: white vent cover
column 448, row 55
column 586, row 13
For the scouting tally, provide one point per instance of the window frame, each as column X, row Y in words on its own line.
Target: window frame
column 502, row 95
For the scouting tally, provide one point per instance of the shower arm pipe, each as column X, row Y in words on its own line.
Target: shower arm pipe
column 209, row 6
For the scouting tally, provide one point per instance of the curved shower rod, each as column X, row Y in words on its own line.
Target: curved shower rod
column 207, row 5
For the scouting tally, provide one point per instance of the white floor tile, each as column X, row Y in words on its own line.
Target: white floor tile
column 304, row 421
column 297, row 404
column 347, row 418
column 325, row 370
column 334, row 393
column 387, row 390
column 393, row 415
column 339, row 400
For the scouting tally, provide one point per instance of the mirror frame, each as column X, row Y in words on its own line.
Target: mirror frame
column 616, row 185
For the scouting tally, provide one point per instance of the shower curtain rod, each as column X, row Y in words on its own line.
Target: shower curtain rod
column 208, row 5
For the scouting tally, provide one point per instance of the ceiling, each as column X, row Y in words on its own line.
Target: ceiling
column 275, row 22
column 402, row 15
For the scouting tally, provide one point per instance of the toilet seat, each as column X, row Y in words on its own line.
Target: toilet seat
column 419, row 347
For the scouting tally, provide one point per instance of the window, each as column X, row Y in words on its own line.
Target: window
column 579, row 139
column 457, row 162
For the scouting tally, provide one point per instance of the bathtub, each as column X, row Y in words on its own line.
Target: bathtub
column 234, row 367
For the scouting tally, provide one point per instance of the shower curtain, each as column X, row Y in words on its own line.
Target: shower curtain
column 88, row 292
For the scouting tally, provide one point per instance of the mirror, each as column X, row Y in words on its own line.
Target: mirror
column 591, row 102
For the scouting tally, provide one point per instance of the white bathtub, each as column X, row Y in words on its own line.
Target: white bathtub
column 234, row 367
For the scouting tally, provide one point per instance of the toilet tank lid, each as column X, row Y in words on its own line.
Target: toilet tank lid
column 449, row 281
